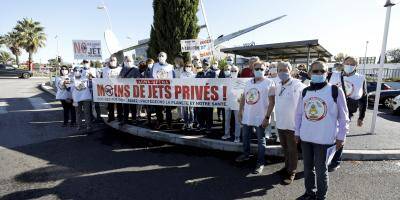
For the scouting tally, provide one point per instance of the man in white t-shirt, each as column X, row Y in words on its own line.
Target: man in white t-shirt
column 287, row 94
column 113, row 71
column 255, row 111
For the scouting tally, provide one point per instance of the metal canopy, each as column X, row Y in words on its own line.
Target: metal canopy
column 288, row 50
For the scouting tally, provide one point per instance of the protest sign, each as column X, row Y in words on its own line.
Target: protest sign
column 87, row 49
column 201, row 47
column 171, row 92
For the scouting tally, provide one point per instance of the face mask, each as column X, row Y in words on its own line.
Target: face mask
column 177, row 66
column 162, row 59
column 284, row 76
column 258, row 74
column 188, row 69
column 214, row 66
column 273, row 71
column 128, row 64
column 64, row 72
column 230, row 62
column 234, row 74
column 77, row 74
column 150, row 66
column 349, row 69
column 315, row 78
column 113, row 63
column 227, row 73
column 87, row 65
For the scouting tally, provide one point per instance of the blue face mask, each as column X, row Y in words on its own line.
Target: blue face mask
column 315, row 78
column 258, row 74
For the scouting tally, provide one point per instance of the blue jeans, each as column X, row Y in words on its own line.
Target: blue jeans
column 260, row 131
column 314, row 157
column 188, row 115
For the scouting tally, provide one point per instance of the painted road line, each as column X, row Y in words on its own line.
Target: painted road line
column 39, row 103
column 3, row 107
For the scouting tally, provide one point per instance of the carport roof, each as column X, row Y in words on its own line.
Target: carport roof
column 287, row 50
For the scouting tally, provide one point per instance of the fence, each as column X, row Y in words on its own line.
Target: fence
column 386, row 74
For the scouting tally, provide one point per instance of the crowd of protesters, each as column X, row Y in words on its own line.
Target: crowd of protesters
column 310, row 106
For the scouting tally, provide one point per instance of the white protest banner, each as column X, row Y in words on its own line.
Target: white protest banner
column 198, row 46
column 224, row 92
column 87, row 49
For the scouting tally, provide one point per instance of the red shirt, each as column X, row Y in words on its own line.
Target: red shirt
column 247, row 73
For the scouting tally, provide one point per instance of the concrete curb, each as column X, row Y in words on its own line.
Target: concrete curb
column 206, row 143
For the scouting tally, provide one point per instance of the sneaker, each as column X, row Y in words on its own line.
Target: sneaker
column 225, row 137
column 289, row 179
column 332, row 169
column 242, row 158
column 258, row 169
column 237, row 140
column 307, row 196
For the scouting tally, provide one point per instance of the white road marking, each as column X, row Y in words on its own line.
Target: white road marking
column 39, row 103
column 3, row 109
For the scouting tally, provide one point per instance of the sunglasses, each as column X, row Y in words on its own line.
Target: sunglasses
column 258, row 69
column 316, row 71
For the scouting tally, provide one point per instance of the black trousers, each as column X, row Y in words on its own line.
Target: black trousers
column 149, row 111
column 205, row 117
column 129, row 108
column 160, row 116
column 69, row 111
column 111, row 109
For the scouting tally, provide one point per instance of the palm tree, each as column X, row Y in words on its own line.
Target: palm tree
column 5, row 57
column 32, row 36
column 13, row 41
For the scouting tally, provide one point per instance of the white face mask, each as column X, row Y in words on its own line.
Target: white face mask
column 214, row 66
column 234, row 74
column 150, row 66
column 77, row 74
column 273, row 71
column 230, row 62
column 113, row 63
column 188, row 69
column 227, row 73
column 162, row 59
column 128, row 64
column 87, row 65
column 349, row 69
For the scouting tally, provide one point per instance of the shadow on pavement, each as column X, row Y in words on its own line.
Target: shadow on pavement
column 128, row 167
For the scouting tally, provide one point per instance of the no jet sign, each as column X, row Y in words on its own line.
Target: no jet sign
column 87, row 49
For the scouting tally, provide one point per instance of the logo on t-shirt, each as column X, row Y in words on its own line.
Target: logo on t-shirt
column 252, row 96
column 162, row 74
column 315, row 109
column 348, row 86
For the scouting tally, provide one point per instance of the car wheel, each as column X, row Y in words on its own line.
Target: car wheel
column 25, row 75
column 388, row 102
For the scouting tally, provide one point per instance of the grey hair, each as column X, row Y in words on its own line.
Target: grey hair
column 283, row 64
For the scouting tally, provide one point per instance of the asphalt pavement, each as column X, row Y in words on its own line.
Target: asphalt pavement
column 41, row 160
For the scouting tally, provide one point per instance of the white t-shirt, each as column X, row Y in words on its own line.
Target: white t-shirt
column 163, row 71
column 186, row 74
column 80, row 90
column 256, row 101
column 63, row 92
column 286, row 99
column 353, row 84
column 90, row 70
column 111, row 72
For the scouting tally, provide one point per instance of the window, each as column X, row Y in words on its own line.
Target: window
column 10, row 67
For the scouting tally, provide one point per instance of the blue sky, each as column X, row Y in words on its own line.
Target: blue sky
column 340, row 25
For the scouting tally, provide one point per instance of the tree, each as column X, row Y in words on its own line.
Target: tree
column 32, row 36
column 340, row 57
column 394, row 55
column 5, row 57
column 173, row 21
column 13, row 42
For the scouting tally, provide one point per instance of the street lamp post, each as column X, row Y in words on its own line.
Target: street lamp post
column 365, row 56
column 104, row 7
column 388, row 6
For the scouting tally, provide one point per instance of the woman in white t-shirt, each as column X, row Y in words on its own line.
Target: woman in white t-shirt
column 63, row 85
column 255, row 111
column 187, row 111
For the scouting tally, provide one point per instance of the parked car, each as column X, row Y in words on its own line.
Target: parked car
column 386, row 97
column 371, row 86
column 396, row 105
column 9, row 70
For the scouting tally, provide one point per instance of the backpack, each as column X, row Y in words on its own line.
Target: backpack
column 335, row 92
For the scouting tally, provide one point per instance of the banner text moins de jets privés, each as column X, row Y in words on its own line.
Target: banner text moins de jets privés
column 170, row 92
